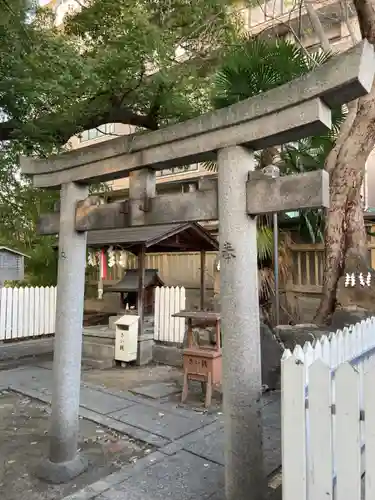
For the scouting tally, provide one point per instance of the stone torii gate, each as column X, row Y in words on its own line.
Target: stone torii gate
column 230, row 135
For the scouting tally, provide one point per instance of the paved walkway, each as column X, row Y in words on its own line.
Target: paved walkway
column 22, row 349
column 189, row 457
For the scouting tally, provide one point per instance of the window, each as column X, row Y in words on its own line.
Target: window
column 176, row 170
column 94, row 133
column 7, row 261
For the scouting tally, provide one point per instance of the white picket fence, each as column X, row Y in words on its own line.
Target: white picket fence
column 27, row 312
column 169, row 300
column 328, row 417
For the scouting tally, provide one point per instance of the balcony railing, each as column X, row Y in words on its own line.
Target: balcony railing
column 177, row 170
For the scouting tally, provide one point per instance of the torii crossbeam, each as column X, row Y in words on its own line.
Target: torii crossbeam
column 230, row 135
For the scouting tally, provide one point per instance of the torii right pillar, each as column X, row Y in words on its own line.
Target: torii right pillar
column 242, row 384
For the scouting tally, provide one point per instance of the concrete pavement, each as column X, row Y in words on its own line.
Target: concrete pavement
column 189, row 457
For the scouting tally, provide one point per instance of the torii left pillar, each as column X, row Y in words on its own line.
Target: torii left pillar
column 64, row 462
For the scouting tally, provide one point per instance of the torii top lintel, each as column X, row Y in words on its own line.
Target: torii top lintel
column 294, row 110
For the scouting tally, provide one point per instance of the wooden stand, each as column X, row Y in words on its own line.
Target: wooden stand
column 203, row 364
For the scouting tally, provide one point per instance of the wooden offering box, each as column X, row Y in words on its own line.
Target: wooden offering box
column 203, row 364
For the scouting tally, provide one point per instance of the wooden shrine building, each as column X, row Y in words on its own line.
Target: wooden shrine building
column 164, row 238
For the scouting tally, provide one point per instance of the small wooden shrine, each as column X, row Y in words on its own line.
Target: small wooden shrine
column 187, row 237
column 128, row 287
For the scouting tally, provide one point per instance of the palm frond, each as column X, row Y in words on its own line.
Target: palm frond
column 255, row 67
column 258, row 66
column 266, row 283
column 312, row 225
column 264, row 242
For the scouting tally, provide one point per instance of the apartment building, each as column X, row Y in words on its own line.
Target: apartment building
column 289, row 18
column 282, row 18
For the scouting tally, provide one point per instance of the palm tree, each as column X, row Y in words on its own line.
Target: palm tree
column 254, row 67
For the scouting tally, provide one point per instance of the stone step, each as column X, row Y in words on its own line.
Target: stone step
column 167, row 355
column 99, row 331
column 98, row 340
column 99, row 364
column 99, row 335
column 98, row 351
column 149, row 331
column 274, row 491
column 112, row 320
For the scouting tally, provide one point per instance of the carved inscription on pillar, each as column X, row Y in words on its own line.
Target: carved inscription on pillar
column 228, row 252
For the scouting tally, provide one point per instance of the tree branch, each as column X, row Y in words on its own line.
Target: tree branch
column 113, row 114
column 104, row 107
column 88, row 116
column 8, row 129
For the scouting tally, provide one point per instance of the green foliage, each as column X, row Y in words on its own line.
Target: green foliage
column 265, row 242
column 258, row 66
column 250, row 69
column 20, row 206
column 111, row 62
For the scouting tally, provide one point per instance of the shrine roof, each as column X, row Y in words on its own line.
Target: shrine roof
column 187, row 237
column 130, row 281
column 13, row 251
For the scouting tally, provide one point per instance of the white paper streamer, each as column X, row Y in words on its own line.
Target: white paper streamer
column 111, row 257
column 350, row 279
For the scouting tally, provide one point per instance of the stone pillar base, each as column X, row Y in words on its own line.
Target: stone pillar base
column 145, row 346
column 63, row 472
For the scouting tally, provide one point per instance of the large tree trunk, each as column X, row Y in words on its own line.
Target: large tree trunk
column 345, row 230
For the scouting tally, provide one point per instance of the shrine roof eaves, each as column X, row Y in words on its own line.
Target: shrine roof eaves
column 132, row 238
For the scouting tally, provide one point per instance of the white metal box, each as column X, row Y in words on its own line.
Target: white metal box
column 126, row 341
